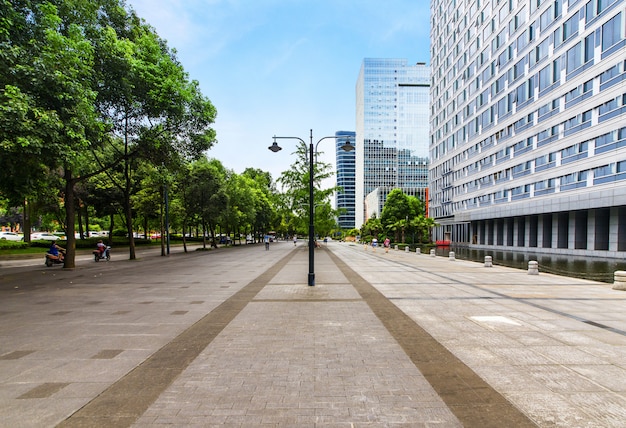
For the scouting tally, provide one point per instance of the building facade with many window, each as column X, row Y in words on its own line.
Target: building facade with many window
column 345, row 197
column 528, row 125
column 392, row 110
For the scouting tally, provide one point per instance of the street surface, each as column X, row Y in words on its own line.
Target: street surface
column 235, row 337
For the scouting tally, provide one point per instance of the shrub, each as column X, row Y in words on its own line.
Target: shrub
column 12, row 245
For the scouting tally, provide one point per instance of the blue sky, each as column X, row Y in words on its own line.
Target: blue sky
column 283, row 67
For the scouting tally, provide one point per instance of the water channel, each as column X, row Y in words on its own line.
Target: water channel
column 592, row 268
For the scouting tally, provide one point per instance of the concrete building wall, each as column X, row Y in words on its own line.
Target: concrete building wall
column 528, row 104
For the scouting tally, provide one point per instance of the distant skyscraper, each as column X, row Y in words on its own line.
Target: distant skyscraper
column 392, row 111
column 344, row 199
column 528, row 126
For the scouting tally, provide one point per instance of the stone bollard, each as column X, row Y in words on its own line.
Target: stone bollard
column 451, row 256
column 395, row 247
column 418, row 251
column 432, row 253
column 619, row 280
column 407, row 249
column 533, row 267
column 488, row 261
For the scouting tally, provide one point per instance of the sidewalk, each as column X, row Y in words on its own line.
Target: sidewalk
column 235, row 337
column 553, row 346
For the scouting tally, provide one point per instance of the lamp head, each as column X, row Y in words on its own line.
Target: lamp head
column 275, row 147
column 347, row 147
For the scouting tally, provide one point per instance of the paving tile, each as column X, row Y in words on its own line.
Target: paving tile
column 311, row 356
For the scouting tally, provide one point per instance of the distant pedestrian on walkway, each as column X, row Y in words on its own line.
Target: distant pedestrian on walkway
column 266, row 238
column 295, row 239
column 374, row 244
column 387, row 244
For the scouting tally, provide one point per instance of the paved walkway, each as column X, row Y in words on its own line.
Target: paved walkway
column 235, row 337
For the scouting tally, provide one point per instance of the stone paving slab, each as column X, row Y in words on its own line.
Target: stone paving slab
column 554, row 346
column 302, row 364
column 293, row 355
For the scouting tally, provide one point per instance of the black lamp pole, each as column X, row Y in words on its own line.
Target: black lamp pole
column 275, row 147
column 311, row 217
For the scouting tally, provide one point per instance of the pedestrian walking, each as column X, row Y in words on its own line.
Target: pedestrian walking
column 295, row 239
column 387, row 244
column 266, row 239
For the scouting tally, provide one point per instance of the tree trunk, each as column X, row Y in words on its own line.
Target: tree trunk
column 80, row 225
column 86, row 219
column 203, row 235
column 26, row 226
column 110, row 241
column 129, row 229
column 212, row 232
column 70, row 218
column 127, row 189
column 162, row 228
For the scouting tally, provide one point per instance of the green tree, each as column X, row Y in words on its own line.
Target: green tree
column 295, row 185
column 403, row 215
column 372, row 228
column 206, row 195
column 157, row 113
column 50, row 64
column 265, row 201
column 396, row 213
column 324, row 219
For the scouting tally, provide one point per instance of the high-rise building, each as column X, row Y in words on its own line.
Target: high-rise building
column 344, row 199
column 528, row 129
column 392, row 110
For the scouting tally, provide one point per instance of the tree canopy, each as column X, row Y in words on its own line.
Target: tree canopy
column 84, row 86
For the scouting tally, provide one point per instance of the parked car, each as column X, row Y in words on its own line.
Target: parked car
column 44, row 236
column 11, row 236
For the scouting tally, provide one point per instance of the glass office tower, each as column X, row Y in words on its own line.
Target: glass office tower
column 528, row 125
column 392, row 110
column 344, row 199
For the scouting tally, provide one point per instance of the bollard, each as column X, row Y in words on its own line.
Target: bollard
column 407, row 249
column 418, row 251
column 432, row 253
column 451, row 256
column 488, row 261
column 533, row 267
column 395, row 247
column 619, row 280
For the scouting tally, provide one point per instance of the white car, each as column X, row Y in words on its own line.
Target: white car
column 44, row 236
column 11, row 236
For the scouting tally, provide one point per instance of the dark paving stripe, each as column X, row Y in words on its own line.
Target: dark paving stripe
column 473, row 401
column 15, row 355
column 126, row 400
column 44, row 390
column 291, row 300
column 107, row 354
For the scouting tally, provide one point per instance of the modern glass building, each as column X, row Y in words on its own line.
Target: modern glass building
column 344, row 199
column 528, row 125
column 392, row 111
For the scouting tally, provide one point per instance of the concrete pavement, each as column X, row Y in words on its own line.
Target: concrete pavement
column 235, row 337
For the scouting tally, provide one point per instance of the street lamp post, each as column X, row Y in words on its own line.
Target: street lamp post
column 275, row 148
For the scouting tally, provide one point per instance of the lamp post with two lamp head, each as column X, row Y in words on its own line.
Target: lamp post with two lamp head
column 275, row 148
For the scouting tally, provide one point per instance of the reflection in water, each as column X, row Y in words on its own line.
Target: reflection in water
column 593, row 268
